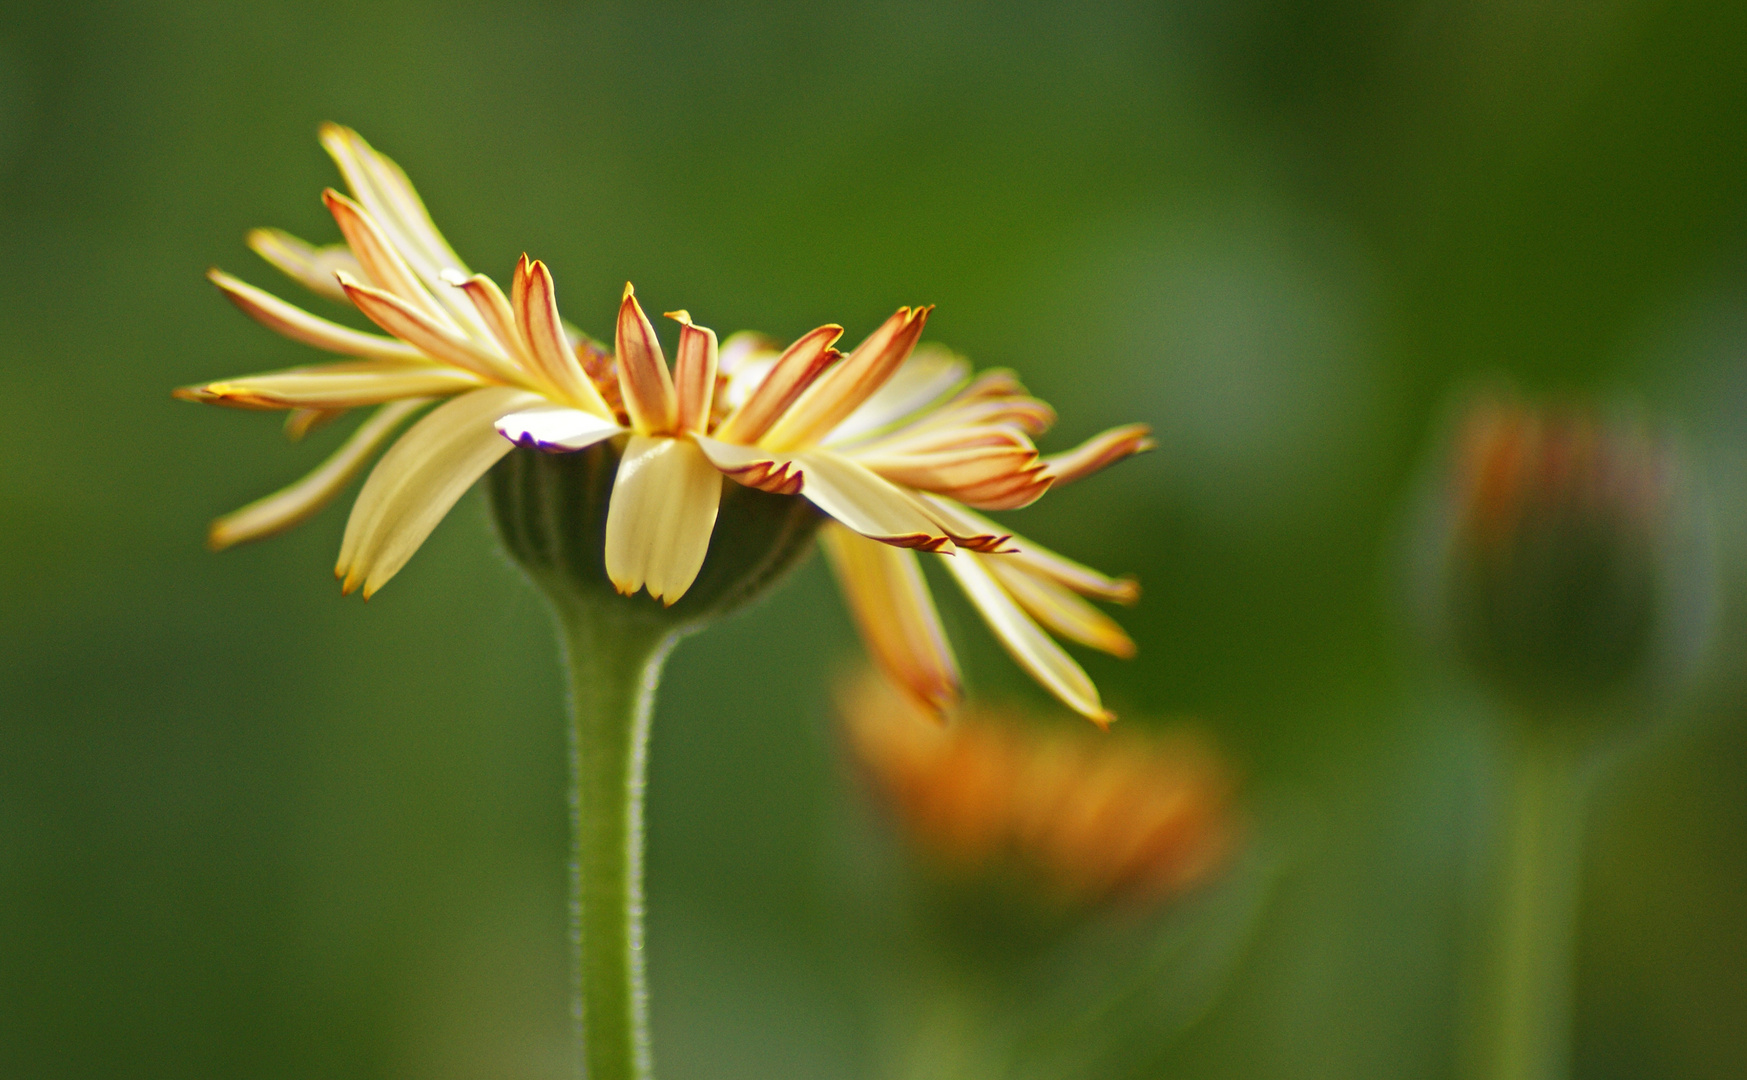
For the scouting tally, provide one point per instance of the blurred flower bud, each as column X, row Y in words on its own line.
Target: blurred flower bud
column 1077, row 817
column 1563, row 557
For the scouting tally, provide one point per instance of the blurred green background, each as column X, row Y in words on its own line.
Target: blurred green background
column 251, row 829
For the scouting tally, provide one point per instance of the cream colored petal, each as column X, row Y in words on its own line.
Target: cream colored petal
column 662, row 512
column 556, row 429
column 433, row 339
column 1059, row 608
column 299, row 325
column 385, row 192
column 1025, row 641
column 311, row 266
column 841, row 391
column 694, row 373
column 332, row 386
column 297, row 503
column 383, row 263
column 643, row 375
column 300, row 422
column 494, row 311
column 1037, row 558
column 895, row 613
column 931, row 374
column 536, row 305
column 1100, row 452
column 993, row 477
column 778, row 474
column 789, row 376
column 419, row 479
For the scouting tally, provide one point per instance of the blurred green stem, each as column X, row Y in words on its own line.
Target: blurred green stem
column 615, row 665
column 1523, row 1028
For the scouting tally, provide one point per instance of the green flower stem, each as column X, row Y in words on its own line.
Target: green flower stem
column 1523, row 1028
column 551, row 513
column 615, row 665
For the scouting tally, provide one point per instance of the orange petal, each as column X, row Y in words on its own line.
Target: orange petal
column 694, row 372
column 643, row 375
column 1100, row 452
column 299, row 325
column 838, row 394
column 436, row 340
column 795, row 370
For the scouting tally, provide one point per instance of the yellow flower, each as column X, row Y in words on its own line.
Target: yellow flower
column 898, row 445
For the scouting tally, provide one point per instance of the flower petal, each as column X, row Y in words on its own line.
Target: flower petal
column 931, row 373
column 311, row 266
column 990, row 477
column 556, row 429
column 299, row 325
column 841, row 488
column 1025, row 641
column 297, row 503
column 1037, row 558
column 694, row 373
column 433, row 339
column 895, row 613
column 789, row 377
column 300, row 422
column 536, row 304
column 643, row 375
column 843, row 390
column 662, row 512
column 1059, row 608
column 332, row 386
column 383, row 263
column 419, row 479
column 1100, row 452
column 386, row 193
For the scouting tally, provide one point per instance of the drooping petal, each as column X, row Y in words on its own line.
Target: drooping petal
column 842, row 489
column 1059, row 608
column 311, row 266
column 300, row 422
column 299, row 325
column 1037, row 558
column 419, row 479
column 433, row 339
column 694, row 373
column 843, row 390
column 643, row 375
column 1100, row 452
column 536, row 305
column 332, row 386
column 662, row 512
column 556, row 429
column 924, row 380
column 788, row 378
column 1025, row 641
column 297, row 503
column 895, row 613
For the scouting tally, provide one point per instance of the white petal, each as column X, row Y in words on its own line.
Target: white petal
column 1025, row 641
column 556, row 429
column 297, row 503
column 661, row 515
column 419, row 479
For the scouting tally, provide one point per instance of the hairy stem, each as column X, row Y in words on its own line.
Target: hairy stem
column 615, row 666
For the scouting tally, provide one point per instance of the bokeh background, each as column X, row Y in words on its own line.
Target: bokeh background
column 251, row 829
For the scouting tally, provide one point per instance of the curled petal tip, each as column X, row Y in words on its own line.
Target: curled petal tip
column 628, row 294
column 682, row 316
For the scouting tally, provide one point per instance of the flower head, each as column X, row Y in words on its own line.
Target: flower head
column 1562, row 559
column 899, row 446
column 1084, row 819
